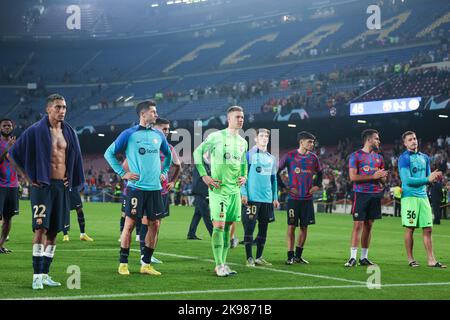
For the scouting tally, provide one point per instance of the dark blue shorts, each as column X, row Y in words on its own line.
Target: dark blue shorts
column 50, row 206
column 9, row 202
column 75, row 199
column 140, row 203
column 366, row 206
column 300, row 212
column 258, row 211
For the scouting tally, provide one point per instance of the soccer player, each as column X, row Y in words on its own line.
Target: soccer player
column 415, row 173
column 142, row 145
column 201, row 203
column 366, row 171
column 305, row 178
column 228, row 173
column 164, row 126
column 77, row 205
column 9, row 184
column 49, row 154
column 259, row 197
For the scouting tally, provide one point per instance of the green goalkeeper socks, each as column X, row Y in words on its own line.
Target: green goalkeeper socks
column 217, row 245
column 226, row 242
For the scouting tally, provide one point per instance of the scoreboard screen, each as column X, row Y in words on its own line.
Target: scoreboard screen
column 385, row 106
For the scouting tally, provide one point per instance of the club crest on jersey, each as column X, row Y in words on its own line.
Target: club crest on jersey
column 258, row 169
column 366, row 168
column 297, row 170
column 155, row 141
column 227, row 156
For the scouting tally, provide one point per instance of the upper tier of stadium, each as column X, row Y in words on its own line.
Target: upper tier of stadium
column 291, row 43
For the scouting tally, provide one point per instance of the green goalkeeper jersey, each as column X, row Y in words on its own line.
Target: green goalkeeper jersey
column 227, row 154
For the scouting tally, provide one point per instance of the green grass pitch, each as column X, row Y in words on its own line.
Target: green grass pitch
column 187, row 271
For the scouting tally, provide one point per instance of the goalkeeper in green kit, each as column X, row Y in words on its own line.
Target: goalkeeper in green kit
column 227, row 152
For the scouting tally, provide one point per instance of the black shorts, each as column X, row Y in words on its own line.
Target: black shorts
column 124, row 204
column 50, row 206
column 366, row 206
column 258, row 211
column 142, row 203
column 166, row 202
column 300, row 211
column 9, row 202
column 75, row 199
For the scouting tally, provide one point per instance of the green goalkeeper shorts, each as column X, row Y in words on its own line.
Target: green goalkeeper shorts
column 225, row 208
column 416, row 212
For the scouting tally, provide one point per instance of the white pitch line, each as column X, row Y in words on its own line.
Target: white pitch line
column 230, row 263
column 148, row 294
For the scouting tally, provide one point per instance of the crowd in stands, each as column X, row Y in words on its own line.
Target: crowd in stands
column 101, row 181
column 417, row 83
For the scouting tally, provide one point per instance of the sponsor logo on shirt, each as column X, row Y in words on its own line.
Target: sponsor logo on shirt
column 143, row 151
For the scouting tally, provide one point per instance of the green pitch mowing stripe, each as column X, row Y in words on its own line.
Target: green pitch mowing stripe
column 187, row 271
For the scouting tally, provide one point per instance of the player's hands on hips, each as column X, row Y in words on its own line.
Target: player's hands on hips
column 314, row 189
column 435, row 175
column 66, row 182
column 210, row 182
column 162, row 177
column 244, row 200
column 276, row 204
column 380, row 174
column 241, row 181
column 130, row 176
column 170, row 185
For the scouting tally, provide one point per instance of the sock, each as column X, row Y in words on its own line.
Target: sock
column 124, row 253
column 147, row 255
column 261, row 239
column 38, row 253
column 217, row 245
column 298, row 252
column 290, row 254
column 353, row 252
column 226, row 242
column 81, row 222
column 122, row 223
column 142, row 234
column 248, row 242
column 364, row 253
column 48, row 258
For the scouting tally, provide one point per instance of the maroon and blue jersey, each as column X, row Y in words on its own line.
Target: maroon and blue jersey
column 366, row 164
column 8, row 176
column 175, row 159
column 301, row 172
